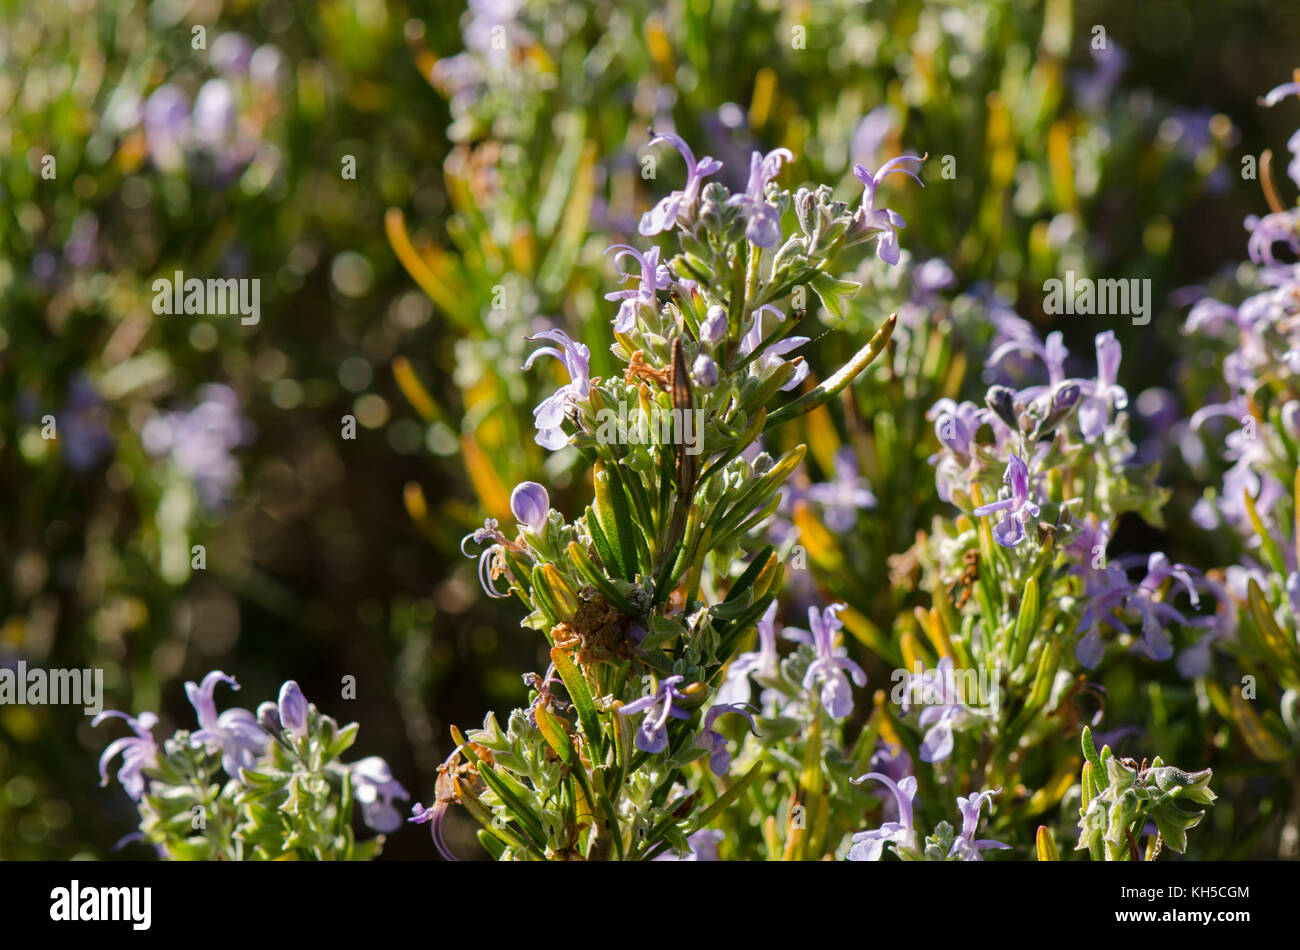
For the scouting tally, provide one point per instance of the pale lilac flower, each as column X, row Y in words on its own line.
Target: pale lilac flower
column 845, row 494
column 375, row 788
column 652, row 736
column 664, row 215
column 266, row 67
column 200, row 442
column 763, row 223
column 871, row 133
column 653, row 277
column 709, row 738
column 293, row 709
column 703, row 847
column 550, row 414
column 955, row 425
column 944, row 708
column 1018, row 508
column 966, row 846
column 1093, row 89
column 1280, row 227
column 884, row 222
column 530, row 504
column 1103, row 395
column 231, row 53
column 832, row 668
column 1157, row 614
column 765, row 664
column 1278, row 93
column 772, row 357
column 214, row 115
column 138, row 752
column 166, row 126
column 235, row 733
column 870, row 845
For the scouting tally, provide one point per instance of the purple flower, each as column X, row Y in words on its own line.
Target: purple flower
column 703, row 844
column 231, row 53
column 765, row 664
column 870, row 845
column 375, row 788
column 549, row 416
column 433, row 817
column 1280, row 227
column 679, row 203
column 652, row 736
column 654, row 277
column 235, row 733
column 955, row 425
column 871, row 133
column 446, row 796
column 1278, row 93
column 944, row 709
column 763, row 223
column 1093, row 89
column 845, row 494
column 214, row 114
column 1156, row 614
column 293, row 709
column 881, row 220
column 530, row 504
column 711, row 739
column 1103, row 395
column 490, row 564
column 831, row 668
column 200, row 442
column 966, row 846
column 771, row 358
column 166, row 126
column 138, row 752
column 1010, row 531
column 83, row 426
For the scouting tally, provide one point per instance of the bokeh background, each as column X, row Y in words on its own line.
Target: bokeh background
column 497, row 153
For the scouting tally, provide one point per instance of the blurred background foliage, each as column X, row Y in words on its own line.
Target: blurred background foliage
column 498, row 151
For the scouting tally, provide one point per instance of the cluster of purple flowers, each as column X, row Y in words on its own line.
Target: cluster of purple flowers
column 241, row 738
column 214, row 126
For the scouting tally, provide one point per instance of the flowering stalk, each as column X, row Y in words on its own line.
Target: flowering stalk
column 646, row 596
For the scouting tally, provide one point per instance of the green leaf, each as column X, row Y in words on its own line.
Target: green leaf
column 576, row 685
column 834, row 293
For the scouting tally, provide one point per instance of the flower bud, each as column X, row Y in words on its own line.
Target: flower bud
column 293, row 709
column 530, row 504
column 714, row 327
column 268, row 717
column 704, row 371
